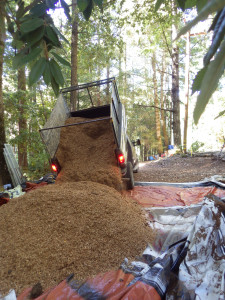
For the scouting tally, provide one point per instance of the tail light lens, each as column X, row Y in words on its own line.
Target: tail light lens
column 121, row 158
column 54, row 168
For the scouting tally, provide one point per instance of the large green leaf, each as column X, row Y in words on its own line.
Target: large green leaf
column 66, row 9
column 55, row 86
column 218, row 36
column 200, row 4
column 39, row 9
column 24, row 59
column 35, row 36
column 181, row 4
column 222, row 113
column 56, row 72
column 31, row 25
column 83, row 4
column 59, row 33
column 20, row 10
column 210, row 81
column 196, row 86
column 87, row 12
column 52, row 36
column 37, row 70
column 190, row 3
column 47, row 73
column 61, row 60
column 211, row 7
column 99, row 3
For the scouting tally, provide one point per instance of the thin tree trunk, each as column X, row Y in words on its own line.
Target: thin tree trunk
column 186, row 85
column 4, row 174
column 163, row 115
column 74, row 52
column 157, row 112
column 107, row 88
column 175, row 83
column 22, row 144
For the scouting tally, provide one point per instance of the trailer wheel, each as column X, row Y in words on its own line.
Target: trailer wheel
column 130, row 176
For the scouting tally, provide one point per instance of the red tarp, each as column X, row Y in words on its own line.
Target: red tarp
column 112, row 285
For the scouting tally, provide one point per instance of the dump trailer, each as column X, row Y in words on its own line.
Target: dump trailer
column 95, row 101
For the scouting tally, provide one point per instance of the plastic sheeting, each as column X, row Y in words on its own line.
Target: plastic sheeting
column 165, row 196
column 111, row 285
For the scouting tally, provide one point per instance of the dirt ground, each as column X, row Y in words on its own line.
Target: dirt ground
column 180, row 169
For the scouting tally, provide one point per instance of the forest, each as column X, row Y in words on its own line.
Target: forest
column 168, row 65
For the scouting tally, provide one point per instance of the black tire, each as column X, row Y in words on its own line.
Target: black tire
column 130, row 176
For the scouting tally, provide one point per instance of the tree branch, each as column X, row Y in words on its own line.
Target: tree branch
column 141, row 105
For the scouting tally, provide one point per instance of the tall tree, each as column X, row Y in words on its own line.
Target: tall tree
column 175, row 81
column 186, row 89
column 74, row 53
column 4, row 175
column 162, row 98
column 22, row 142
column 156, row 103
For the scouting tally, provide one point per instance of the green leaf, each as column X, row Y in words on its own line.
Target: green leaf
column 190, row 3
column 83, row 4
column 52, row 36
column 61, row 60
column 50, row 3
column 196, row 86
column 56, row 72
column 37, row 70
column 38, row 10
column 218, row 36
column 11, row 27
column 210, row 81
column 33, row 37
column 60, row 34
column 66, row 9
column 20, row 10
column 24, row 59
column 158, row 4
column 88, row 10
column 181, row 4
column 47, row 73
column 55, row 86
column 200, row 4
column 211, row 7
column 220, row 114
column 31, row 25
column 99, row 3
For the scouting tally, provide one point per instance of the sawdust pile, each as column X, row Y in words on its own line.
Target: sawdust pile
column 82, row 227
column 87, row 152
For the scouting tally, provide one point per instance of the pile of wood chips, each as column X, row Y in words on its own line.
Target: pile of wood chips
column 72, row 226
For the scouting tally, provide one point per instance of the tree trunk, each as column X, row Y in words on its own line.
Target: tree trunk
column 4, row 174
column 163, row 114
column 186, row 87
column 74, row 52
column 107, row 88
column 175, row 83
column 157, row 111
column 22, row 144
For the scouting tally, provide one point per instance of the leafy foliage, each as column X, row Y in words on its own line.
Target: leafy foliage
column 207, row 79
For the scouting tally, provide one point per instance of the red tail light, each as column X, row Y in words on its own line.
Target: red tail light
column 54, row 168
column 121, row 158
